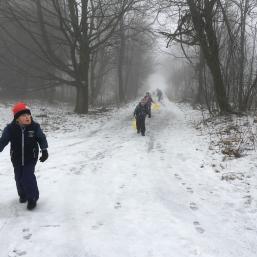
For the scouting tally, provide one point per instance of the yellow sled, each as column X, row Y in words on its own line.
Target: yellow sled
column 156, row 106
column 134, row 125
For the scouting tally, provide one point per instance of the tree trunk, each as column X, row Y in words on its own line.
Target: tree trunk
column 92, row 77
column 121, row 63
column 82, row 99
column 203, row 24
column 199, row 96
column 98, row 82
column 244, row 9
column 241, row 93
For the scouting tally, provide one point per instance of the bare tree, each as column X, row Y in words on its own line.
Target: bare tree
column 65, row 34
column 197, row 26
column 225, row 32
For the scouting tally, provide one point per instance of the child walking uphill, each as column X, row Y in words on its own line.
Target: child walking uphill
column 25, row 135
column 140, row 114
column 149, row 102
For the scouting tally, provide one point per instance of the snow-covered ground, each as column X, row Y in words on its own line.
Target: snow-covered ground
column 107, row 192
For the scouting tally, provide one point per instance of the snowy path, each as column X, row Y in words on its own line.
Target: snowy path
column 108, row 192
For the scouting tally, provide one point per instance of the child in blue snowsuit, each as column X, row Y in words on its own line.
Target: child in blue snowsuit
column 25, row 135
column 140, row 113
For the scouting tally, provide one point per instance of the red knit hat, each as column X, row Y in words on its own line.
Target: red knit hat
column 19, row 109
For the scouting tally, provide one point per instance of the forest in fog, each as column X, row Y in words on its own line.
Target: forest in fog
column 99, row 52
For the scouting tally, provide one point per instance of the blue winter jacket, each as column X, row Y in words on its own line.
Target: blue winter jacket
column 24, row 142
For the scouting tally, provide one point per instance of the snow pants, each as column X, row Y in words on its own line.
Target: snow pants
column 149, row 110
column 26, row 182
column 140, row 121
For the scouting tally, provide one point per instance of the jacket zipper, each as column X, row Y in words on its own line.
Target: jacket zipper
column 22, row 145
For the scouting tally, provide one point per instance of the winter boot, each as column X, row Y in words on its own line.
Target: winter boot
column 31, row 204
column 22, row 199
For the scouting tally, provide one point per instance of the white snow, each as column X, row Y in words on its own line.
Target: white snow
column 107, row 192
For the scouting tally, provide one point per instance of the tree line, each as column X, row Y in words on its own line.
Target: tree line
column 218, row 41
column 99, row 48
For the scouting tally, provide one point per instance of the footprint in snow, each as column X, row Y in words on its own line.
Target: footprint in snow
column 199, row 230
column 98, row 156
column 248, row 200
column 177, row 176
column 74, row 170
column 16, row 253
column 97, row 226
column 27, row 237
column 193, row 206
column 249, row 228
column 26, row 234
column 50, row 226
column 117, row 205
column 190, row 190
column 198, row 227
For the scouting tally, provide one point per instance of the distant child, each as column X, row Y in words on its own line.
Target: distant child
column 25, row 135
column 140, row 114
column 159, row 94
column 149, row 102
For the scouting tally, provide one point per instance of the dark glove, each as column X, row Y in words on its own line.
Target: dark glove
column 44, row 155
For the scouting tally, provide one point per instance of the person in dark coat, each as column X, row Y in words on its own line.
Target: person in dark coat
column 159, row 94
column 140, row 114
column 25, row 136
column 149, row 102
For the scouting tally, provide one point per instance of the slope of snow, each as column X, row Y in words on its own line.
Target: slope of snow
column 107, row 192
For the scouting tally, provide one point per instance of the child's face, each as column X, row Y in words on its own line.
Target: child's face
column 24, row 119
